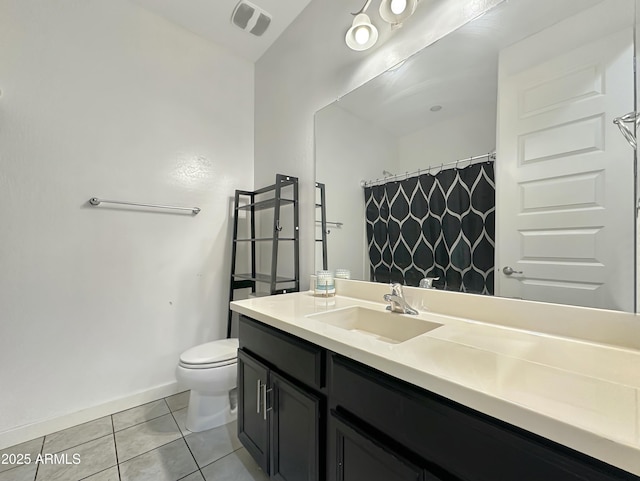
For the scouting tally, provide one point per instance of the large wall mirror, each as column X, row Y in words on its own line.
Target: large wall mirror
column 491, row 160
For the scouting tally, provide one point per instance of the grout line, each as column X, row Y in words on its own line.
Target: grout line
column 92, row 440
column 101, row 417
column 136, row 407
column 188, row 447
column 35, row 475
column 141, row 422
column 38, row 464
column 157, row 447
column 115, row 446
column 176, row 394
column 102, row 471
column 147, row 452
column 138, row 424
column 222, row 457
column 80, row 444
column 113, row 434
column 197, row 471
column 14, row 467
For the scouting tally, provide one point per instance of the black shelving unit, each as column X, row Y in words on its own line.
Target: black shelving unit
column 322, row 207
column 284, row 192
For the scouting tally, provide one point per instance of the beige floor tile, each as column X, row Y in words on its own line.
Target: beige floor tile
column 194, row 477
column 178, row 401
column 111, row 474
column 140, row 414
column 30, row 448
column 238, row 466
column 209, row 446
column 144, row 437
column 80, row 434
column 181, row 418
column 167, row 463
column 25, row 472
column 92, row 458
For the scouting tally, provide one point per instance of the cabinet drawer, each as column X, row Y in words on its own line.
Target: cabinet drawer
column 463, row 442
column 354, row 456
column 291, row 355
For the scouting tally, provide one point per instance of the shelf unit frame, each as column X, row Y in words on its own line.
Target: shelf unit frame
column 323, row 223
column 249, row 280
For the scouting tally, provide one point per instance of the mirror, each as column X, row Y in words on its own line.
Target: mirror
column 538, row 83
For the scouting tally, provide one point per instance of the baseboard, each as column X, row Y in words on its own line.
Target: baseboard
column 42, row 428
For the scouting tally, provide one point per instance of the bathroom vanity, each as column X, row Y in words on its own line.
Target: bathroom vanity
column 324, row 394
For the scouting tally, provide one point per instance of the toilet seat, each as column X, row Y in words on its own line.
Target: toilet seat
column 211, row 365
column 223, row 352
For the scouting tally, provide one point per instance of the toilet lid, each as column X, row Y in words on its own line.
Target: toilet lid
column 211, row 352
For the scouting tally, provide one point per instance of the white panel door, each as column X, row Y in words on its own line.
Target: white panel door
column 565, row 176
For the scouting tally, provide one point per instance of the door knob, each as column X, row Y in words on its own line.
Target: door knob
column 507, row 271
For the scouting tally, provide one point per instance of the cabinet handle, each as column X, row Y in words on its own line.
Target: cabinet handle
column 258, row 397
column 264, row 401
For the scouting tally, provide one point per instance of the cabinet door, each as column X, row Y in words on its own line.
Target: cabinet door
column 353, row 456
column 295, row 443
column 253, row 426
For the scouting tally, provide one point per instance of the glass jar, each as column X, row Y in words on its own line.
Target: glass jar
column 343, row 274
column 325, row 285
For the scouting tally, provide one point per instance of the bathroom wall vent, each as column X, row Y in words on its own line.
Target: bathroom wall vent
column 250, row 18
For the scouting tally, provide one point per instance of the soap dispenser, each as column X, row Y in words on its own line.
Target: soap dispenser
column 427, row 282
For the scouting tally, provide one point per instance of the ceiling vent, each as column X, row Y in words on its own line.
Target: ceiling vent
column 250, row 18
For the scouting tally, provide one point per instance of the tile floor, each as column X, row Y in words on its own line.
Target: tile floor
column 146, row 443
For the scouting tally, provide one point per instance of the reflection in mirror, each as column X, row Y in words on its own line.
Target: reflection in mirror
column 409, row 175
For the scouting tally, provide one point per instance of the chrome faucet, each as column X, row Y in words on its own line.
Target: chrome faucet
column 397, row 302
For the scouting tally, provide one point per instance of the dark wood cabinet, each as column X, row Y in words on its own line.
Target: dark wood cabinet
column 295, row 432
column 280, row 416
column 306, row 414
column 455, row 441
column 253, row 428
column 356, row 456
column 298, row 359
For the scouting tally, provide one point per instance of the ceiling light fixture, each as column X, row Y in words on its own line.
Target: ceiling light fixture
column 397, row 11
column 363, row 34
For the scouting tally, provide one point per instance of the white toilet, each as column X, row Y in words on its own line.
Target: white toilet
column 210, row 371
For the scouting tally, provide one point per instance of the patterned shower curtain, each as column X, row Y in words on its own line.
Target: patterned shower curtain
column 439, row 225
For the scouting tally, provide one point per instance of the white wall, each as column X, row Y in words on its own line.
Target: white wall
column 351, row 150
column 101, row 98
column 309, row 67
column 467, row 135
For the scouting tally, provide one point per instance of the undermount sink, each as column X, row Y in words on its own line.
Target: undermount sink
column 384, row 326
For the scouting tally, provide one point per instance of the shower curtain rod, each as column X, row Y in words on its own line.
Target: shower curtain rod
column 369, row 183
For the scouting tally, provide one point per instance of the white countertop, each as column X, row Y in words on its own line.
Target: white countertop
column 581, row 394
